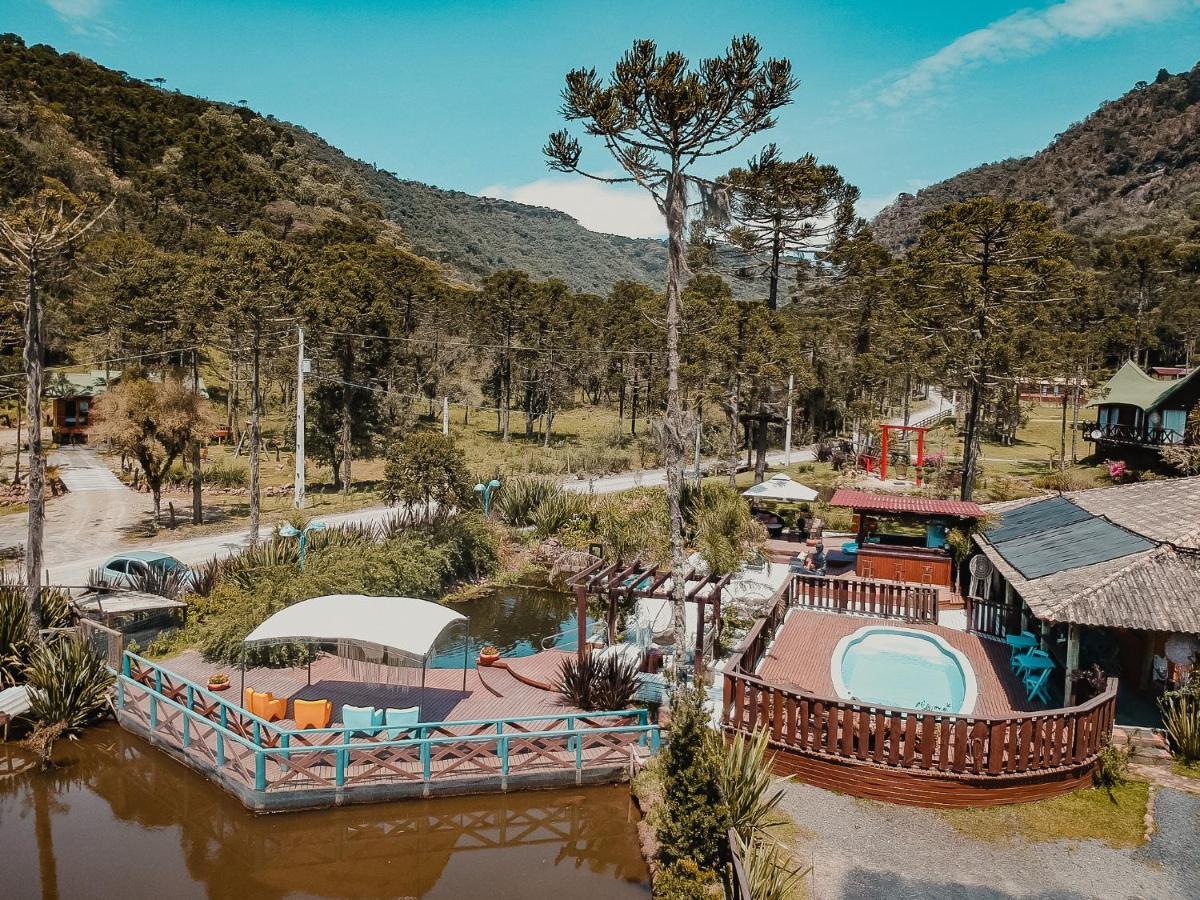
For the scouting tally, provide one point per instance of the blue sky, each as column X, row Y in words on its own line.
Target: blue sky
column 462, row 95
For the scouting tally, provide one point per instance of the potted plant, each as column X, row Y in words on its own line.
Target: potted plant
column 218, row 682
column 488, row 655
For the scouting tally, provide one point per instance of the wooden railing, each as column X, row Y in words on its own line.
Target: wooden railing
column 885, row 599
column 248, row 752
column 1154, row 436
column 1022, row 743
column 993, row 618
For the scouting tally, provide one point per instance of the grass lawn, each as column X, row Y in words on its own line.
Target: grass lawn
column 1186, row 769
column 1115, row 817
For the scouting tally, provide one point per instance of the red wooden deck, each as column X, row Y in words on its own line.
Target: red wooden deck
column 491, row 693
column 804, row 646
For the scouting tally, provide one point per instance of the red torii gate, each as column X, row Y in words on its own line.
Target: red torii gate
column 883, row 452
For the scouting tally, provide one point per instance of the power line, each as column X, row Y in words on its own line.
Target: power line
column 517, row 348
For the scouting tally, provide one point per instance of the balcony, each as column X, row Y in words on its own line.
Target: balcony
column 1133, row 435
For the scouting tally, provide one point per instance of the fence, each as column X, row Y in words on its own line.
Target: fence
column 884, row 599
column 260, row 760
column 993, row 618
column 108, row 642
column 1022, row 745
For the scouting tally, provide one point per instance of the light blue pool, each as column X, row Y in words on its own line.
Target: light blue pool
column 903, row 668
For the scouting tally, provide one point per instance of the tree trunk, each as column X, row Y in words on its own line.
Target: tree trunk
column 17, row 465
column 776, row 248
column 734, row 415
column 37, row 458
column 674, row 425
column 760, row 444
column 971, row 439
column 255, row 441
column 347, row 417
column 197, row 495
column 506, row 374
column 156, row 497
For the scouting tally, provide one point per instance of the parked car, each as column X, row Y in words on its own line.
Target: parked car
column 122, row 569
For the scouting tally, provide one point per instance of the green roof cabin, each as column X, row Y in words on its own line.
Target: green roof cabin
column 1135, row 409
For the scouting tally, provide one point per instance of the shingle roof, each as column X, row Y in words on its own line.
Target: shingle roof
column 903, row 503
column 1155, row 586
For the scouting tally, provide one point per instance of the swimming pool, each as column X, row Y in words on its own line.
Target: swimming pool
column 904, row 668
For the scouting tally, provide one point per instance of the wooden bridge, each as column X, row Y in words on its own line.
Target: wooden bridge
column 272, row 767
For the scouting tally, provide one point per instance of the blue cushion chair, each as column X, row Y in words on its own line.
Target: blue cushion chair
column 1023, row 670
column 362, row 719
column 408, row 717
column 1035, row 685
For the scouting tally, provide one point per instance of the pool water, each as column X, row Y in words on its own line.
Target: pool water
column 513, row 619
column 903, row 668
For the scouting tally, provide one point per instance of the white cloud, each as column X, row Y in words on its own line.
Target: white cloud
column 82, row 16
column 1026, row 33
column 599, row 207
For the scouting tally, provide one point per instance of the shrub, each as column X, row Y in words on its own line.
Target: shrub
column 519, row 497
column 429, row 470
column 769, row 873
column 1181, row 718
column 1089, row 683
column 1066, row 480
column 68, row 684
column 606, row 682
column 684, row 880
column 558, row 511
column 16, row 649
column 696, row 819
column 746, row 785
column 225, row 474
column 1113, row 766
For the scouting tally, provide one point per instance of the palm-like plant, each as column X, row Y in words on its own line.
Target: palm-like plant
column 745, row 779
column 1181, row 718
column 769, row 874
column 521, row 497
column 68, row 684
column 598, row 683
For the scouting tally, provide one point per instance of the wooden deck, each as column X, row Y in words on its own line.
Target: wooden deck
column 491, row 693
column 804, row 646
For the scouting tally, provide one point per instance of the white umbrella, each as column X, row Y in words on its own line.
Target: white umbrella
column 782, row 488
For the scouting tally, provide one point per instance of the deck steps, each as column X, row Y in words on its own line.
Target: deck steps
column 1146, row 745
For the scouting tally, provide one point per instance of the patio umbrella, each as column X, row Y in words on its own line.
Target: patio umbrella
column 781, row 488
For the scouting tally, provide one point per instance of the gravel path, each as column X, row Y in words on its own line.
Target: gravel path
column 865, row 850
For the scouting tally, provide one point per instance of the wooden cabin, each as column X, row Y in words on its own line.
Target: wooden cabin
column 1135, row 409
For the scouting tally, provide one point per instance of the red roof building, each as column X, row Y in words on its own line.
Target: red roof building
column 903, row 504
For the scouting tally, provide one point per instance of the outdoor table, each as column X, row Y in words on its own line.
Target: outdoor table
column 1027, row 663
column 1018, row 643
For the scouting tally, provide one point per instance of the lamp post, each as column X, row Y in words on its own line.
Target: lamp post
column 287, row 530
column 486, row 491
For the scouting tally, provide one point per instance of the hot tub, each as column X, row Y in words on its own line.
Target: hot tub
column 903, row 668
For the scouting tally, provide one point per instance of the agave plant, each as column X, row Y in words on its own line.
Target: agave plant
column 169, row 583
column 521, row 497
column 1181, row 717
column 769, row 873
column 558, row 511
column 16, row 648
column 598, row 682
column 746, row 785
column 68, row 684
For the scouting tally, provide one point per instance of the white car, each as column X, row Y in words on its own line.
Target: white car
column 122, row 569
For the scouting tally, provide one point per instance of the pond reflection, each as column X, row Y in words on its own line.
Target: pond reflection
column 514, row 619
column 118, row 818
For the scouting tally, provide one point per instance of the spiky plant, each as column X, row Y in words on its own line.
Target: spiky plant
column 1181, row 718
column 558, row 511
column 16, row 649
column 68, row 684
column 746, row 785
column 616, row 683
column 770, row 875
column 520, row 497
column 169, row 583
column 575, row 680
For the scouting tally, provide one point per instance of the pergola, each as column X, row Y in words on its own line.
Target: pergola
column 369, row 630
column 636, row 580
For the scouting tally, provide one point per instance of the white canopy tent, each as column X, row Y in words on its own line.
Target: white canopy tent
column 782, row 489
column 378, row 630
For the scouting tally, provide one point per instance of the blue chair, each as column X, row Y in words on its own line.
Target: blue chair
column 1019, row 643
column 408, row 717
column 1035, row 686
column 363, row 719
column 1019, row 663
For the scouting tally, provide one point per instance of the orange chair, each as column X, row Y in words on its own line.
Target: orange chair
column 264, row 704
column 312, row 713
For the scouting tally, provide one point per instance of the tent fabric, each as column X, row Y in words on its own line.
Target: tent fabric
column 782, row 488
column 405, row 624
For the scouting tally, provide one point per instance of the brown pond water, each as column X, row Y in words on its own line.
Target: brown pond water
column 117, row 818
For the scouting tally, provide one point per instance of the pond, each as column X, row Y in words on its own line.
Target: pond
column 517, row 620
column 118, row 818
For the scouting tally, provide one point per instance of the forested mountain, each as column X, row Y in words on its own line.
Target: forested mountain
column 1131, row 167
column 177, row 161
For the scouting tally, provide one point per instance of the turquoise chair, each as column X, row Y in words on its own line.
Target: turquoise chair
column 1020, row 643
column 406, row 717
column 1035, row 686
column 363, row 719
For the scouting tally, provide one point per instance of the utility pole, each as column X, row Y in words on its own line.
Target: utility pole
column 699, row 426
column 298, row 490
column 787, row 429
column 445, row 415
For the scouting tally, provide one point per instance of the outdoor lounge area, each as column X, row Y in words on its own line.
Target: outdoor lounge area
column 862, row 692
column 370, row 722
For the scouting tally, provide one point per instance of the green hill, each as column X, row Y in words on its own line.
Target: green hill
column 1131, row 166
column 178, row 163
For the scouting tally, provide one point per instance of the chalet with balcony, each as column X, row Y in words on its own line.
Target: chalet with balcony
column 71, row 395
column 1136, row 409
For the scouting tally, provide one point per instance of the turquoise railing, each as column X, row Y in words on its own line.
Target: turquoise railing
column 425, row 737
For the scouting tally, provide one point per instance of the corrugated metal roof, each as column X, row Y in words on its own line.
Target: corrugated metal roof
column 903, row 503
column 1055, row 512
